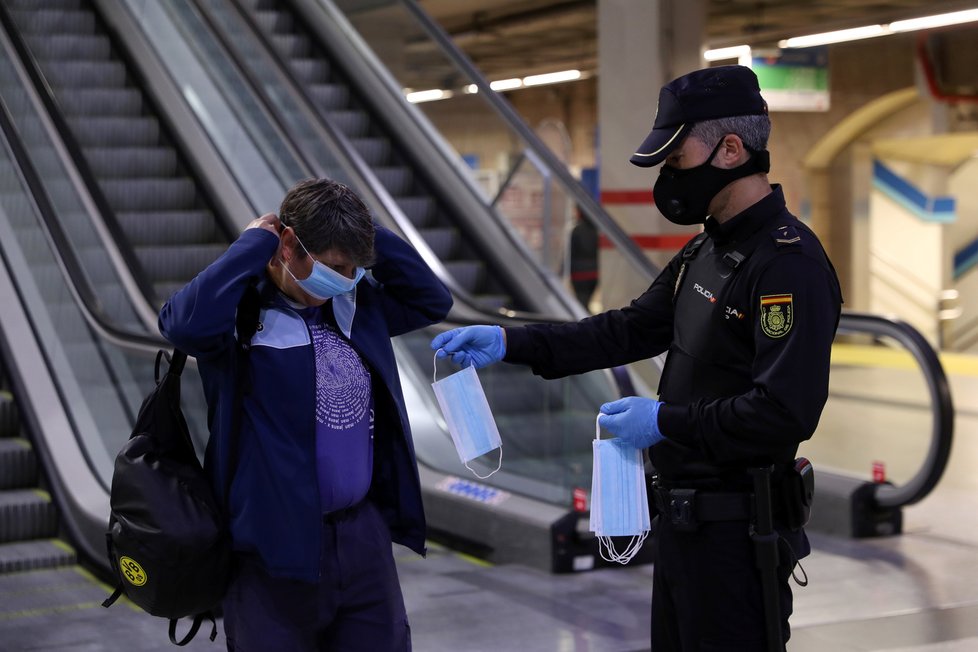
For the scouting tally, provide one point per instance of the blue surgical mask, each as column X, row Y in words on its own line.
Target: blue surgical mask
column 324, row 282
column 468, row 416
column 619, row 499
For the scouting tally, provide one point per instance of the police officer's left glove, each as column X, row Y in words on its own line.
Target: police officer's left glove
column 633, row 419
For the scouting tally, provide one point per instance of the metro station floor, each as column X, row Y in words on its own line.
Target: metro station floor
column 916, row 592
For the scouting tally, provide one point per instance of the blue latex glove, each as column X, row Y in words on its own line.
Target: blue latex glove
column 634, row 419
column 471, row 345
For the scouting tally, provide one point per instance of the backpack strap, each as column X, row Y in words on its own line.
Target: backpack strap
column 246, row 325
column 194, row 628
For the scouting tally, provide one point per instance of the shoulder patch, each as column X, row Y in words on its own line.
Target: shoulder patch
column 786, row 235
column 777, row 315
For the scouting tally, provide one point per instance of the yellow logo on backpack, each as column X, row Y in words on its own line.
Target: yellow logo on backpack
column 132, row 571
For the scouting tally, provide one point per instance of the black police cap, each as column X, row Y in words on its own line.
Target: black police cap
column 707, row 94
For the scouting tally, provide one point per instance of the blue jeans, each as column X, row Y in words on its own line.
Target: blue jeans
column 356, row 605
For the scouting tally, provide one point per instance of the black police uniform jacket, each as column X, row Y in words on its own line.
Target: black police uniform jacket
column 748, row 311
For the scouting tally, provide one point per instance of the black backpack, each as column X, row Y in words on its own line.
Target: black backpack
column 168, row 540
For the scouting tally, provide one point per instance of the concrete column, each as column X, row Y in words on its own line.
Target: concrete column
column 642, row 45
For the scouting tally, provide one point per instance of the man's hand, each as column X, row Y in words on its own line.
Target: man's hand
column 472, row 345
column 268, row 221
column 634, row 419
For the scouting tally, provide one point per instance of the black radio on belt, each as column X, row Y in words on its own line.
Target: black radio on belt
column 798, row 493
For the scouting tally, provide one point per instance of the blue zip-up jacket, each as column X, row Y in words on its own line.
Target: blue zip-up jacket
column 274, row 502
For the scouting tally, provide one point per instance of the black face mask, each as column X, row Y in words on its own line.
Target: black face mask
column 684, row 196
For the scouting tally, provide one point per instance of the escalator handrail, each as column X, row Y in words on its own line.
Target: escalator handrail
column 70, row 143
column 942, row 424
column 591, row 209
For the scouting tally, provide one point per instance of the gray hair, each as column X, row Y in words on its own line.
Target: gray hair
column 327, row 215
column 754, row 130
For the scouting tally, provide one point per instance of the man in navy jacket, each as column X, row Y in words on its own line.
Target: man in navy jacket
column 325, row 475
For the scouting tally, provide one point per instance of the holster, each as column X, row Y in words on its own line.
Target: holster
column 796, row 494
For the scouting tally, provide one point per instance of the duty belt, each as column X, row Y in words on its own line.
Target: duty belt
column 686, row 508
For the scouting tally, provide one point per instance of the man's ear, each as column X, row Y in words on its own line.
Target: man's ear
column 732, row 153
column 288, row 243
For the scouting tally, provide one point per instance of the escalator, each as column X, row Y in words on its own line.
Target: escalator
column 141, row 179
column 28, row 518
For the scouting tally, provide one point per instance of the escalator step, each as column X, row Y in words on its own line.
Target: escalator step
column 183, row 262
column 71, row 46
column 33, row 555
column 101, row 101
column 132, row 162
column 468, row 273
column 9, row 415
column 375, row 151
column 115, row 131
column 310, row 71
column 18, row 464
column 420, row 210
column 397, row 180
column 442, row 240
column 53, row 21
column 353, row 124
column 85, row 74
column 329, row 96
column 292, row 45
column 26, row 514
column 168, row 227
column 274, row 20
column 152, row 194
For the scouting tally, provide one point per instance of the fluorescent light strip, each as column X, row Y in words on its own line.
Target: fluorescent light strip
column 872, row 31
column 506, row 84
column 825, row 38
column 940, row 20
column 733, row 52
column 552, row 78
column 417, row 97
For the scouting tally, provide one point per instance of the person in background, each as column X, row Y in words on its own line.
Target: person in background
column 747, row 310
column 324, row 474
column 583, row 259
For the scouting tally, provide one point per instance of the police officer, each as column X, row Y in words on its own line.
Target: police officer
column 747, row 310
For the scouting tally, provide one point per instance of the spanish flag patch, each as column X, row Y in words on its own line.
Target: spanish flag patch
column 776, row 315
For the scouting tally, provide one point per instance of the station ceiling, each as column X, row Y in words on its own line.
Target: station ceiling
column 510, row 38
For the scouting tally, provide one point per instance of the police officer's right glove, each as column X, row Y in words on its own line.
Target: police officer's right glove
column 471, row 345
column 633, row 419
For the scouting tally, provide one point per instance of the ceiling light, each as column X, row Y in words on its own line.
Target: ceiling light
column 856, row 33
column 471, row 89
column 427, row 96
column 552, row 77
column 505, row 84
column 733, row 52
column 929, row 22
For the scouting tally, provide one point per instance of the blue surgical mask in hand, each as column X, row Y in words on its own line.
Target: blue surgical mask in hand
column 619, row 499
column 468, row 416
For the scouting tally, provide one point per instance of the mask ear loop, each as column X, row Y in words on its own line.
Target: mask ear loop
column 499, row 465
column 606, row 546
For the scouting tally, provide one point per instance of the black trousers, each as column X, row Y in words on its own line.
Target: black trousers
column 706, row 591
